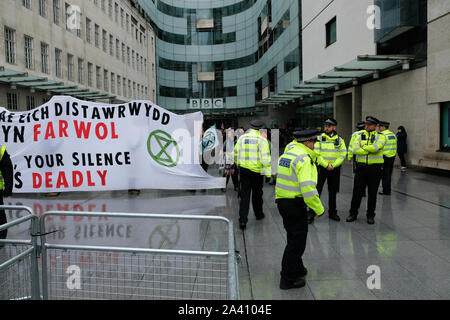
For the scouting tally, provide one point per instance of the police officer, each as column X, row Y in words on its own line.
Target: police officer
column 359, row 129
column 6, row 184
column 295, row 191
column 368, row 151
column 252, row 156
column 389, row 153
column 331, row 153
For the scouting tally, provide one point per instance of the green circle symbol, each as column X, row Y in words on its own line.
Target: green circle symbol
column 160, row 153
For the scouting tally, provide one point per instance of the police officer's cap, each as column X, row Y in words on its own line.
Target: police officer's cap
column 256, row 124
column 306, row 135
column 372, row 120
column 331, row 122
column 384, row 123
column 361, row 125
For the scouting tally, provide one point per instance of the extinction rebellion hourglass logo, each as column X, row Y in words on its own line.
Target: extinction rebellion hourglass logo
column 163, row 148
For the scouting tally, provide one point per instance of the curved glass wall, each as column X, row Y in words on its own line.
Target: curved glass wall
column 232, row 50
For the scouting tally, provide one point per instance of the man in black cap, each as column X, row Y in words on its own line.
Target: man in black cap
column 252, row 156
column 295, row 192
column 331, row 153
column 359, row 129
column 368, row 151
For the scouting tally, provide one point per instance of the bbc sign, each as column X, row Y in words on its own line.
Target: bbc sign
column 206, row 103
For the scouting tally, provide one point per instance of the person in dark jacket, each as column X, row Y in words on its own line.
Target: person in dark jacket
column 402, row 147
column 6, row 184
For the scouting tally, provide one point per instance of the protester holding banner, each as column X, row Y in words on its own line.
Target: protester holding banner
column 6, row 184
column 252, row 155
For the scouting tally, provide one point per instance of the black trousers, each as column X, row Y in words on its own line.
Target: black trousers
column 402, row 159
column 333, row 178
column 235, row 179
column 388, row 167
column 370, row 176
column 3, row 220
column 293, row 212
column 251, row 183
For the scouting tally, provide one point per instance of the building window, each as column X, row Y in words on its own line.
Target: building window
column 98, row 76
column 88, row 30
column 113, row 82
column 105, row 80
column 11, row 100
column 122, row 18
column 43, row 8
column 67, row 12
column 56, row 11
column 119, row 85
column 45, row 58
column 128, row 56
column 132, row 59
column 110, row 8
column 80, row 26
column 29, row 53
column 90, row 74
column 31, row 103
column 445, row 126
column 117, row 49
column 104, row 5
column 134, row 90
column 97, row 36
column 26, row 4
column 104, row 40
column 116, row 12
column 331, row 32
column 128, row 23
column 80, row 71
column 58, row 63
column 70, row 67
column 124, row 83
column 130, row 94
column 10, row 45
column 111, row 45
column 123, row 52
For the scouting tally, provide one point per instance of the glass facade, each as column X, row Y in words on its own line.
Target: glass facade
column 247, row 44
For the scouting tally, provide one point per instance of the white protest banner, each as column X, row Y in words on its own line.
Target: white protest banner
column 69, row 144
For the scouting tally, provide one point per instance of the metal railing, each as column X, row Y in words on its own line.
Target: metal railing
column 19, row 272
column 123, row 273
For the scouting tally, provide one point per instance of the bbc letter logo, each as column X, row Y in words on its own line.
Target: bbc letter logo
column 74, row 280
column 374, row 281
column 374, row 20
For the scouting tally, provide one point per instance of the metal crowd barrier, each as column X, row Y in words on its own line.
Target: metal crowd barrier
column 19, row 272
column 137, row 273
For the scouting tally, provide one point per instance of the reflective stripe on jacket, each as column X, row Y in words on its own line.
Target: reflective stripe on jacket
column 368, row 148
column 351, row 144
column 297, row 177
column 390, row 148
column 253, row 153
column 330, row 150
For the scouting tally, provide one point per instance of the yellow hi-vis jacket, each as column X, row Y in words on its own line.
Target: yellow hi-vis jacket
column 390, row 148
column 253, row 153
column 2, row 183
column 330, row 150
column 368, row 148
column 290, row 146
column 351, row 144
column 297, row 177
